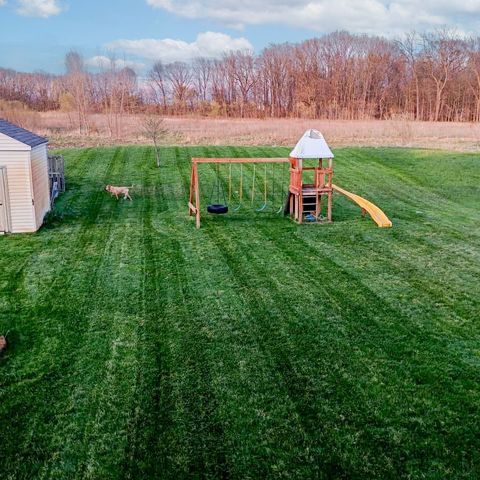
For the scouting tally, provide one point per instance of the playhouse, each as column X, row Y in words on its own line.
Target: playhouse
column 24, row 181
column 305, row 195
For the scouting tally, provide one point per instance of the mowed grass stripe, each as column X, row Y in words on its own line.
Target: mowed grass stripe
column 181, row 386
column 197, row 434
column 234, row 351
column 117, row 391
column 88, row 321
column 150, row 428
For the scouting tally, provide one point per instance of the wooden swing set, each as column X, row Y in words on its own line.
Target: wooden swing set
column 309, row 184
column 304, row 199
column 194, row 199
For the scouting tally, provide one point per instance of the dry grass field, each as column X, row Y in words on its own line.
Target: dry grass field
column 282, row 132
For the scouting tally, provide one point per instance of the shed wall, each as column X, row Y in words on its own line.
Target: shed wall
column 22, row 213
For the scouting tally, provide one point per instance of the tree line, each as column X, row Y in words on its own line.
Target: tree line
column 431, row 76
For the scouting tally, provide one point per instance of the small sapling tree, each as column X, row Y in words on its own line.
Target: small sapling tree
column 152, row 128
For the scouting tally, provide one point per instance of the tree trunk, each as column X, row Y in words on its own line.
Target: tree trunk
column 157, row 154
column 417, row 95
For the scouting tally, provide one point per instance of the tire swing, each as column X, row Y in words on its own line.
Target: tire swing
column 217, row 208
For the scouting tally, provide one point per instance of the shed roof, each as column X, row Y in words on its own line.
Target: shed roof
column 311, row 145
column 20, row 134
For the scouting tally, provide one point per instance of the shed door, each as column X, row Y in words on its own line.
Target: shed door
column 4, row 207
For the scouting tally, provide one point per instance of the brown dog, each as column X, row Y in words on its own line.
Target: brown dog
column 119, row 191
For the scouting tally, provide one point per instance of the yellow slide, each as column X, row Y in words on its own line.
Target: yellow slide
column 377, row 215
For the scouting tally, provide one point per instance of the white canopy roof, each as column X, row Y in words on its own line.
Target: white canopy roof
column 311, row 145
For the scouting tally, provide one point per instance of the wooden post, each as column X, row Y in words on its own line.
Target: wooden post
column 330, row 176
column 192, row 187
column 317, row 184
column 330, row 190
column 197, row 197
column 322, row 174
column 329, row 206
column 300, row 206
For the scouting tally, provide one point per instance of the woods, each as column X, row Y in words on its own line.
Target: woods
column 434, row 77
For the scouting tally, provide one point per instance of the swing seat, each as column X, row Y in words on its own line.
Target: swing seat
column 217, row 208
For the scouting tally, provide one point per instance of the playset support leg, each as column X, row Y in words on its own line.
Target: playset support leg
column 197, row 197
column 194, row 197
column 192, row 189
column 329, row 207
column 300, row 208
column 330, row 192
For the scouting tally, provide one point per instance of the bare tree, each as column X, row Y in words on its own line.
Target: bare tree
column 202, row 72
column 474, row 68
column 180, row 76
column 242, row 72
column 76, row 83
column 74, row 62
column 152, row 128
column 275, row 86
column 411, row 48
column 444, row 56
column 117, row 88
column 157, row 77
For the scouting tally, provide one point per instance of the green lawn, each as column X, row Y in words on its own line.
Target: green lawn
column 253, row 347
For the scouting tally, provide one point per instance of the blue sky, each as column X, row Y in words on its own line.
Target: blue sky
column 36, row 34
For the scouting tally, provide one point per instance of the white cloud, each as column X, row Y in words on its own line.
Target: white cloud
column 3, row 2
column 207, row 44
column 38, row 8
column 103, row 62
column 369, row 16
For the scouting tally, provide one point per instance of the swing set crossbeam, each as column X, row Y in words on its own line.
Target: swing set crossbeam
column 194, row 199
column 239, row 160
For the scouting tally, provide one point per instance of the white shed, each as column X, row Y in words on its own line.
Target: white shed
column 24, row 186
